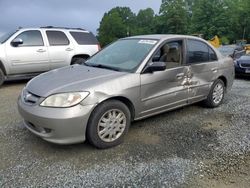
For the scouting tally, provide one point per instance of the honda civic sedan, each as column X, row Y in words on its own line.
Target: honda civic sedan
column 131, row 79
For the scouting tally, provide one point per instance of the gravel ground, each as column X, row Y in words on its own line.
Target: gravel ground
column 188, row 147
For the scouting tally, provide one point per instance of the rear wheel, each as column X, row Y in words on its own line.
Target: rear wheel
column 216, row 95
column 78, row 60
column 108, row 124
column 2, row 77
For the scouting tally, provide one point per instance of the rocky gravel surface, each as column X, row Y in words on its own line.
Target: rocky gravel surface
column 189, row 147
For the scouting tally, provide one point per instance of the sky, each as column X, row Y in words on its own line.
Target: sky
column 86, row 14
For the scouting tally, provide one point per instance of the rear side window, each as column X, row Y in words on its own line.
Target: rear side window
column 212, row 55
column 57, row 38
column 31, row 38
column 197, row 52
column 84, row 38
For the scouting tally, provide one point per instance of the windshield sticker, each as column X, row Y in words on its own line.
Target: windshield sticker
column 152, row 42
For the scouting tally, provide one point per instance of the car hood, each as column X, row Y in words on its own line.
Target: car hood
column 245, row 61
column 68, row 79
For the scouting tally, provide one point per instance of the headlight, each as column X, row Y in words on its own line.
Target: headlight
column 64, row 99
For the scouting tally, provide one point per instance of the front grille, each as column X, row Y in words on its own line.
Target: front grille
column 29, row 97
column 245, row 65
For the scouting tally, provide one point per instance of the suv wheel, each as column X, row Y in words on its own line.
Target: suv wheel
column 216, row 94
column 2, row 77
column 78, row 60
column 108, row 124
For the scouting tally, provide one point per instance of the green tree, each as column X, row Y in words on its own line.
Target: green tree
column 173, row 17
column 238, row 16
column 210, row 18
column 145, row 22
column 115, row 24
column 229, row 19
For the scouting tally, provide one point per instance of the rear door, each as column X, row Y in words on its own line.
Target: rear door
column 203, row 67
column 60, row 49
column 29, row 57
column 164, row 90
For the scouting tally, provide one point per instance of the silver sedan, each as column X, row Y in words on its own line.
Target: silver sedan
column 131, row 79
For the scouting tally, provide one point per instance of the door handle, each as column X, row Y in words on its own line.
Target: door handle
column 68, row 49
column 214, row 70
column 41, row 50
column 180, row 76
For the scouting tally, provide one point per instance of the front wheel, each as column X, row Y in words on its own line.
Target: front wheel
column 108, row 124
column 216, row 94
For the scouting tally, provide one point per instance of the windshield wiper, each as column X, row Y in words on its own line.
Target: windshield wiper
column 86, row 64
column 101, row 66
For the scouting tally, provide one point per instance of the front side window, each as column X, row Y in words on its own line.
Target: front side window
column 30, row 38
column 197, row 52
column 170, row 53
column 123, row 55
column 57, row 38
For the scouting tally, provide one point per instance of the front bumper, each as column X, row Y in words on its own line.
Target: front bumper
column 242, row 70
column 56, row 125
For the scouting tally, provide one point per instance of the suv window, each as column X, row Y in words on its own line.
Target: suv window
column 31, row 38
column 197, row 52
column 57, row 38
column 84, row 38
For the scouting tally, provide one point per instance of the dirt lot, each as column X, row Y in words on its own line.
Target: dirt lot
column 188, row 147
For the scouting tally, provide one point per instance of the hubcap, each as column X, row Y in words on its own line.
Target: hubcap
column 111, row 125
column 218, row 93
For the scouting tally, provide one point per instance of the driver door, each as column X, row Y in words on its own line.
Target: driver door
column 165, row 90
column 29, row 57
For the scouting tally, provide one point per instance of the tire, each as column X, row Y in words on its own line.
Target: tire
column 216, row 94
column 103, row 130
column 2, row 77
column 78, row 60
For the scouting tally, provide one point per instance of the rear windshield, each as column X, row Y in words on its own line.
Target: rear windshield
column 84, row 38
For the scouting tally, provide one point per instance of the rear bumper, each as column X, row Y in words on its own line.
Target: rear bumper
column 56, row 125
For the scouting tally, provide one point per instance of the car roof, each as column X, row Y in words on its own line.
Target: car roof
column 55, row 28
column 164, row 36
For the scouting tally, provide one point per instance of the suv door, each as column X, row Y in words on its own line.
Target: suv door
column 203, row 69
column 165, row 90
column 29, row 57
column 60, row 49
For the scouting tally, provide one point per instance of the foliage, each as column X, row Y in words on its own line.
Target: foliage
column 115, row 24
column 229, row 19
column 145, row 22
column 239, row 18
column 173, row 17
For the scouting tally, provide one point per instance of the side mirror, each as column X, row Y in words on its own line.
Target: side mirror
column 155, row 67
column 16, row 42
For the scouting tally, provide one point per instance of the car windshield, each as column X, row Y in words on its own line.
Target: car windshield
column 6, row 36
column 123, row 55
